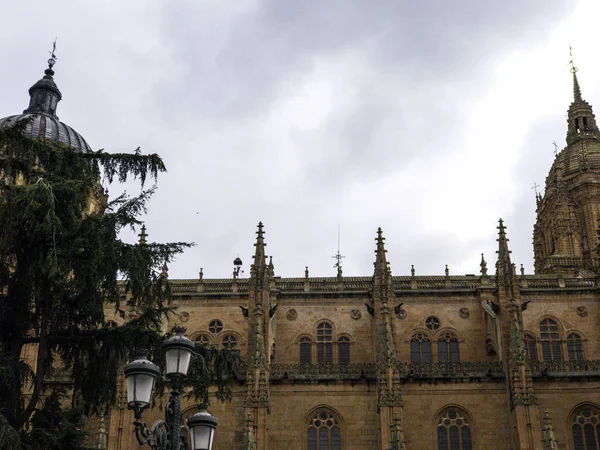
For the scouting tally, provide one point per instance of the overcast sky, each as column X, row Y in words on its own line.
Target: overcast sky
column 431, row 119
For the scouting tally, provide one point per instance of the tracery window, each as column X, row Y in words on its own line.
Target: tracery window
column 344, row 350
column 202, row 340
column 575, row 347
column 229, row 341
column 324, row 343
column 448, row 348
column 454, row 430
column 324, row 432
column 420, row 348
column 531, row 347
column 550, row 339
column 432, row 323
column 305, row 353
column 585, row 428
column 215, row 326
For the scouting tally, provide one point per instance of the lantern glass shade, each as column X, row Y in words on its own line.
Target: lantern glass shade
column 178, row 361
column 202, row 427
column 139, row 389
column 140, row 375
column 178, row 352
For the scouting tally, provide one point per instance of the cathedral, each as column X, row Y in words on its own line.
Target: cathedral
column 496, row 360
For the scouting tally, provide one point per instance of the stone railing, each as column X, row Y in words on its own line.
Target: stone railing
column 565, row 369
column 317, row 372
column 453, row 371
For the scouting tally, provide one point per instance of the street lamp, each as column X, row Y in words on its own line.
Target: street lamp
column 141, row 375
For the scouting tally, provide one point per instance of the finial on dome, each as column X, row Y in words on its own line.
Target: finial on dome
column 576, row 87
column 49, row 71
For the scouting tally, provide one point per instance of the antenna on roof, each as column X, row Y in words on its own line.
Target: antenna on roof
column 338, row 256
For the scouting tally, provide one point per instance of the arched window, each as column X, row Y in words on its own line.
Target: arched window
column 448, row 348
column 229, row 342
column 454, row 430
column 531, row 347
column 215, row 326
column 112, row 324
column 202, row 340
column 585, row 428
column 305, row 346
column 420, row 348
column 344, row 350
column 324, row 343
column 574, row 347
column 550, row 339
column 324, row 431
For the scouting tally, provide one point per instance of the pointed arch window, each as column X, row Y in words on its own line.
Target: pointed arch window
column 344, row 350
column 454, row 430
column 324, row 431
column 305, row 353
column 324, row 343
column 550, row 339
column 448, row 350
column 575, row 347
column 531, row 347
column 420, row 348
column 585, row 428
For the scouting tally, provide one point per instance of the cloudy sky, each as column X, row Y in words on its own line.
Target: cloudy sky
column 431, row 119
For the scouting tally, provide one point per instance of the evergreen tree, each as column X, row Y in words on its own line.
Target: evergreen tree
column 61, row 264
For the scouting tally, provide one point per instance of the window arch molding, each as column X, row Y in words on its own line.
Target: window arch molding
column 536, row 324
column 454, row 331
column 308, row 419
column 328, row 322
column 468, row 419
column 229, row 332
column 198, row 335
column 572, row 417
column 420, row 343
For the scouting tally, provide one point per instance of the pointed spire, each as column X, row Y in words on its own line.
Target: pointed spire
column 44, row 95
column 381, row 265
column 483, row 265
column 503, row 251
column 259, row 252
column 581, row 119
column 576, row 88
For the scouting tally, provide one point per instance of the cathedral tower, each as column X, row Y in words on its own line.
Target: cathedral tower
column 565, row 235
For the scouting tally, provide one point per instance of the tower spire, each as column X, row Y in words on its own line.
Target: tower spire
column 259, row 252
column 576, row 87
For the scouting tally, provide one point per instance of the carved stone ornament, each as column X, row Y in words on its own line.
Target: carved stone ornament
column 184, row 316
column 291, row 314
column 464, row 313
column 582, row 311
column 355, row 314
column 402, row 314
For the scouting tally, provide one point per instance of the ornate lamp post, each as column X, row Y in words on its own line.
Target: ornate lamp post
column 141, row 375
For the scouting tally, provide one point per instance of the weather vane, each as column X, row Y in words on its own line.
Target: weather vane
column 572, row 61
column 53, row 56
column 555, row 148
column 338, row 257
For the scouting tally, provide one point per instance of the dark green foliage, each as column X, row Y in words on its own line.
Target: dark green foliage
column 61, row 264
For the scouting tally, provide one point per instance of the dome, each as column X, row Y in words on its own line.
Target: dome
column 41, row 113
column 44, row 126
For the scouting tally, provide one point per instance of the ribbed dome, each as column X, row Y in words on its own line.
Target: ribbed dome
column 44, row 124
column 579, row 156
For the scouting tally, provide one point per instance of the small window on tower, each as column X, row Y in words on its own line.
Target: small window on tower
column 585, row 124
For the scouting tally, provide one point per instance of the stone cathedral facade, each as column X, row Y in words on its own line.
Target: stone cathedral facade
column 497, row 360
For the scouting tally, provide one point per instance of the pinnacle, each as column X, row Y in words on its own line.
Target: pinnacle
column 259, row 253
column 380, row 259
